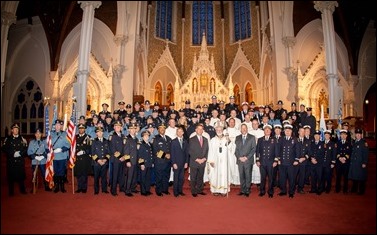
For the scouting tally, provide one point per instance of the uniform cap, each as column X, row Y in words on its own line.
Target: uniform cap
column 288, row 126
column 278, row 126
column 307, row 127
column 231, row 97
column 132, row 126
column 308, row 109
column 162, row 125
column 317, row 132
column 198, row 106
column 172, row 104
column 343, row 131
column 267, row 126
column 105, row 104
column 293, row 104
column 187, row 102
column 59, row 121
column 118, row 123
column 358, row 131
column 214, row 97
column 99, row 128
column 280, row 102
column 327, row 132
column 81, row 126
column 147, row 102
column 121, row 103
column 128, row 106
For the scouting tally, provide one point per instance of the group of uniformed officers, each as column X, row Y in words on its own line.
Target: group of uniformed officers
column 141, row 145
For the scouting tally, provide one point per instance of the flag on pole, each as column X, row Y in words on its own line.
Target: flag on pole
column 49, row 175
column 47, row 119
column 339, row 118
column 71, row 135
column 322, row 124
column 55, row 116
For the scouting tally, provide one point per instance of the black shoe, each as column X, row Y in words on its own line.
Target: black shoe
column 240, row 193
column 202, row 193
column 83, row 191
column 312, row 191
column 160, row 194
column 105, row 191
column 246, row 195
column 319, row 193
column 182, row 194
column 282, row 194
column 301, row 191
column 135, row 191
column 261, row 194
column 23, row 192
column 176, row 195
column 270, row 195
column 167, row 193
column 149, row 193
column 47, row 189
column 114, row 194
column 96, row 193
column 144, row 194
column 194, row 195
column 129, row 195
column 171, row 183
column 291, row 195
column 78, row 191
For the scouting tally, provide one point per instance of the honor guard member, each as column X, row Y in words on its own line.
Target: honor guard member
column 244, row 111
column 156, row 106
column 198, row 109
column 162, row 162
column 279, row 110
column 37, row 153
column 147, row 108
column 343, row 153
column 309, row 120
column 130, row 156
column 192, row 127
column 303, row 146
column 100, row 154
column 136, row 109
column 358, row 163
column 214, row 105
column 83, row 164
column 345, row 126
column 294, row 111
column 310, row 138
column 288, row 161
column 328, row 161
column 316, row 154
column 60, row 147
column 121, row 111
column 129, row 109
column 145, row 162
column 117, row 168
column 155, row 117
column 208, row 128
column 172, row 110
column 277, row 135
column 15, row 147
column 266, row 159
column 231, row 105
column 205, row 110
column 164, row 115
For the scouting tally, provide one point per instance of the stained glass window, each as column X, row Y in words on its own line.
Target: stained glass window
column 29, row 109
column 242, row 20
column 164, row 13
column 202, row 21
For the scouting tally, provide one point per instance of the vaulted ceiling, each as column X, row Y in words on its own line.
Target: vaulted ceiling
column 60, row 17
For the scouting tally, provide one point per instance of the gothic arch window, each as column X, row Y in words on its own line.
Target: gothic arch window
column 29, row 109
column 169, row 94
column 212, row 86
column 236, row 92
column 164, row 19
column 248, row 93
column 202, row 21
column 158, row 93
column 241, row 20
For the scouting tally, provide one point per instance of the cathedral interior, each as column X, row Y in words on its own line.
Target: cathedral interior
column 308, row 52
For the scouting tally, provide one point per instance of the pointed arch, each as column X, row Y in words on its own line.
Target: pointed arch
column 237, row 95
column 248, row 92
column 158, row 92
column 169, row 93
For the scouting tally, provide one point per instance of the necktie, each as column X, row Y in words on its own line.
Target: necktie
column 201, row 141
column 39, row 142
column 287, row 138
column 243, row 139
column 180, row 142
column 342, row 141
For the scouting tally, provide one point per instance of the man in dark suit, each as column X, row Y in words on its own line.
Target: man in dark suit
column 179, row 159
column 198, row 151
column 245, row 150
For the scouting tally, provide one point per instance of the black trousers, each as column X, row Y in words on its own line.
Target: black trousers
column 131, row 178
column 178, row 180
column 358, row 186
column 145, row 184
column 342, row 173
column 286, row 172
column 100, row 172
column 196, row 179
column 162, row 171
column 266, row 171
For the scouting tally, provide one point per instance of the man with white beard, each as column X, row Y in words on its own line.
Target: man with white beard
column 257, row 133
column 218, row 162
column 233, row 132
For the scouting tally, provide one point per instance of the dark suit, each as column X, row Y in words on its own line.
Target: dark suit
column 145, row 153
column 180, row 157
column 197, row 170
column 100, row 150
column 130, row 151
column 245, row 168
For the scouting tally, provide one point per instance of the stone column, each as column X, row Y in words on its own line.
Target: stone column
column 327, row 8
column 80, row 86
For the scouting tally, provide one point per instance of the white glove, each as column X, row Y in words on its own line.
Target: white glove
column 81, row 152
column 58, row 150
column 39, row 158
column 17, row 154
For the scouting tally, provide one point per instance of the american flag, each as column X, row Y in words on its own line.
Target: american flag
column 49, row 176
column 71, row 135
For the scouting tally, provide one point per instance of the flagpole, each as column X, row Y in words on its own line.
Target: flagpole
column 73, row 116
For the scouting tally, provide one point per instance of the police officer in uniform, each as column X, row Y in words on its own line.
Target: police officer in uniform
column 83, row 165
column 214, row 105
column 279, row 110
column 122, row 112
column 316, row 154
column 288, row 161
column 116, row 144
column 328, row 161
column 266, row 159
column 145, row 156
column 100, row 154
column 37, row 153
column 343, row 153
column 358, row 163
column 60, row 146
column 303, row 146
column 162, row 162
column 187, row 110
column 130, row 155
column 15, row 147
column 231, row 105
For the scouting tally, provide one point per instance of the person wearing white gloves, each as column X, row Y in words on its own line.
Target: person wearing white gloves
column 15, row 147
column 60, row 146
column 83, row 165
column 37, row 153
